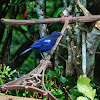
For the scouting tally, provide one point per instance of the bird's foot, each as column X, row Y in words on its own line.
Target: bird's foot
column 49, row 54
column 45, row 61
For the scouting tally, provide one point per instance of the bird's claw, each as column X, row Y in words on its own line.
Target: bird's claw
column 45, row 61
column 49, row 54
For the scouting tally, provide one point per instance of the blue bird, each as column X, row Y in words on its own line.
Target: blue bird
column 44, row 44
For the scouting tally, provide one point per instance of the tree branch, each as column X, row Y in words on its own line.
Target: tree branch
column 51, row 20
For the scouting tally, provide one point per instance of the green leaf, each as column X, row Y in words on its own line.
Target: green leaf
column 0, row 71
column 5, row 72
column 51, row 83
column 92, row 85
column 24, row 27
column 2, row 93
column 57, row 75
column 84, row 87
column 51, row 73
column 73, row 97
column 12, row 72
column 61, row 98
column 59, row 67
column 8, row 69
column 70, row 80
column 2, row 76
column 58, row 70
column 63, row 79
column 75, row 92
column 58, row 12
column 75, row 87
column 48, row 85
column 30, row 7
column 59, row 91
column 82, row 98
column 24, row 93
column 1, row 82
column 54, row 92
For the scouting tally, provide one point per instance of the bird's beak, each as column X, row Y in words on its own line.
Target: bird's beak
column 61, row 33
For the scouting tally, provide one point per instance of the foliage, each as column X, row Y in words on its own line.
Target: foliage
column 56, row 86
column 58, row 12
column 83, row 86
column 5, row 73
column 55, row 82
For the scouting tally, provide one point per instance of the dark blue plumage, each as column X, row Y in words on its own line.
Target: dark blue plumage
column 44, row 44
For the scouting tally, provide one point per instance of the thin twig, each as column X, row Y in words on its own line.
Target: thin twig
column 68, row 93
column 18, row 74
column 60, row 56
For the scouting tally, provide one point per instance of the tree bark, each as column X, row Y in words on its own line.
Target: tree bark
column 40, row 9
column 93, row 39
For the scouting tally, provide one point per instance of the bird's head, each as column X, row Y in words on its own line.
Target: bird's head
column 56, row 34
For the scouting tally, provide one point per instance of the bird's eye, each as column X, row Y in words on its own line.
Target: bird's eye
column 58, row 33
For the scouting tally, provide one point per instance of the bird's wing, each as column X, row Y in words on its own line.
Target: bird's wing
column 41, row 43
column 45, row 42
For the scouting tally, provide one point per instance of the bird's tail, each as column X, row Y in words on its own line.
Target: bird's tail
column 25, row 51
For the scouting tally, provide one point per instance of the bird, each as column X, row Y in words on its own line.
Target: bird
column 44, row 44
